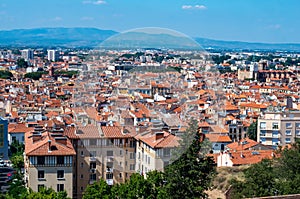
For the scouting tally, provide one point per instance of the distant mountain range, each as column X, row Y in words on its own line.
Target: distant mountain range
column 93, row 37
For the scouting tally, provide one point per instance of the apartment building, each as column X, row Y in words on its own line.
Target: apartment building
column 103, row 152
column 3, row 138
column 278, row 128
column 154, row 150
column 49, row 161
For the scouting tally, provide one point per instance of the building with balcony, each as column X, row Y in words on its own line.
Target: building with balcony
column 49, row 161
column 278, row 128
column 103, row 152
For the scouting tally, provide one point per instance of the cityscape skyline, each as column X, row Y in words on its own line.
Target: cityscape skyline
column 250, row 21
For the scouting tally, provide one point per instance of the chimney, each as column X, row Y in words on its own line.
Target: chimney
column 159, row 135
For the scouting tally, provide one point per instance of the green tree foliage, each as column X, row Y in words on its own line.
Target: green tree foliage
column 35, row 75
column 191, row 174
column 220, row 59
column 99, row 190
column 252, row 131
column 280, row 176
column 22, row 63
column 17, row 158
column 47, row 193
column 17, row 187
column 5, row 74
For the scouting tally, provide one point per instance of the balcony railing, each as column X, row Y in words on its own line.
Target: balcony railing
column 109, row 170
column 110, row 158
column 93, row 159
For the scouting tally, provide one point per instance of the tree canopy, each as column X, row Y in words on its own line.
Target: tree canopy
column 279, row 176
column 5, row 74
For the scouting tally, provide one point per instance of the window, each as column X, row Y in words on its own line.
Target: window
column 110, row 153
column 297, row 132
column 297, row 125
column 93, row 165
column 14, row 138
column 132, row 167
column 93, row 142
column 41, row 174
column 288, row 125
column 275, row 125
column 60, row 174
column 132, row 155
column 262, row 140
column 287, row 140
column 109, row 176
column 81, row 153
column 41, row 160
column 262, row 125
column 60, row 187
column 93, row 177
column 40, row 187
column 81, row 176
column 148, row 160
column 288, row 132
column 60, row 159
column 121, row 152
column 81, row 164
column 120, row 175
column 275, row 134
column 262, row 133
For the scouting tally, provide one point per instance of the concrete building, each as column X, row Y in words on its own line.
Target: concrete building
column 278, row 128
column 49, row 161
column 27, row 54
column 53, row 55
column 3, row 138
column 154, row 150
column 103, row 152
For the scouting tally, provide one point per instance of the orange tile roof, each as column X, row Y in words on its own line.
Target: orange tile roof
column 214, row 137
column 238, row 146
column 247, row 157
column 116, row 132
column 167, row 141
column 18, row 128
column 41, row 147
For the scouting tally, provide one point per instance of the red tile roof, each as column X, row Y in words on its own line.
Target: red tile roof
column 167, row 141
column 41, row 147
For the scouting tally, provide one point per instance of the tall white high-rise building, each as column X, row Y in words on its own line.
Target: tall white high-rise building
column 27, row 54
column 53, row 55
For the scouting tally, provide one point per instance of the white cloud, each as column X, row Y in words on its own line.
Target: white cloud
column 186, row 7
column 57, row 19
column 98, row 2
column 86, row 18
column 200, row 7
column 196, row 7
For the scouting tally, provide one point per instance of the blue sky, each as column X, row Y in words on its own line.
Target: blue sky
column 273, row 21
